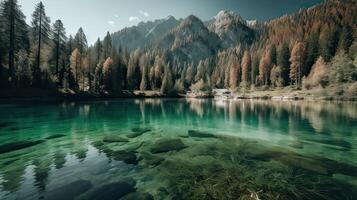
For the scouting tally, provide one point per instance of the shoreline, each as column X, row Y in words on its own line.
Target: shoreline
column 276, row 95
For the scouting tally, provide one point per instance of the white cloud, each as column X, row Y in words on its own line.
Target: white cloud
column 144, row 13
column 111, row 23
column 134, row 19
column 116, row 16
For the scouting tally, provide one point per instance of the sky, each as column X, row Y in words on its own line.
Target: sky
column 96, row 17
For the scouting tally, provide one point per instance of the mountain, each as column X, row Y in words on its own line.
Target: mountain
column 144, row 33
column 190, row 40
column 232, row 29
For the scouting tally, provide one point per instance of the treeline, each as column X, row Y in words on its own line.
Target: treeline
column 315, row 47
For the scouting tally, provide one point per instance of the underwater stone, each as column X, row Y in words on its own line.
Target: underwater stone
column 137, row 133
column 166, row 145
column 109, row 191
column 151, row 159
column 13, row 146
column 296, row 145
column 70, row 191
column 114, row 139
column 55, row 136
column 193, row 133
column 138, row 196
column 304, row 163
column 125, row 156
column 5, row 124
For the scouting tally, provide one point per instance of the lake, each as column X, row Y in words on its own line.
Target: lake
column 178, row 149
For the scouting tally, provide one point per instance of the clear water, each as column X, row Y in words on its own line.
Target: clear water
column 244, row 150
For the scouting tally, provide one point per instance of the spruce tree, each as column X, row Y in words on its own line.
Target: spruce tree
column 312, row 52
column 107, row 46
column 59, row 40
column 41, row 34
column 14, row 32
column 284, row 63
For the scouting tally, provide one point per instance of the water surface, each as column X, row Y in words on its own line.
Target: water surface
column 178, row 149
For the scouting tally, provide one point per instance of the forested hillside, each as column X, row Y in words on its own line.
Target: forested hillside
column 313, row 48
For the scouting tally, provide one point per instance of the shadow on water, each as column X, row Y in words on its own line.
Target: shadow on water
column 179, row 149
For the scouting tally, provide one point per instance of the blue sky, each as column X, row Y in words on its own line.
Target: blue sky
column 99, row 16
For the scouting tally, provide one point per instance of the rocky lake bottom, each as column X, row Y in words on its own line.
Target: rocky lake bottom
column 178, row 149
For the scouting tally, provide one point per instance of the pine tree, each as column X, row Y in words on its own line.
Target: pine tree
column 297, row 62
column 107, row 46
column 15, row 32
column 273, row 54
column 81, row 44
column 276, row 76
column 167, row 83
column 284, row 63
column 346, row 38
column 328, row 43
column 254, row 68
column 41, row 35
column 133, row 72
column 59, row 37
column 312, row 52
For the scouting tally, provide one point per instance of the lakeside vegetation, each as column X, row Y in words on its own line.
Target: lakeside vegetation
column 313, row 51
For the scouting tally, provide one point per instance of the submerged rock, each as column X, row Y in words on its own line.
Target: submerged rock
column 200, row 134
column 166, row 145
column 55, row 136
column 109, row 191
column 138, row 196
column 296, row 145
column 151, row 159
column 334, row 142
column 5, row 124
column 70, row 191
column 125, row 156
column 137, row 132
column 114, row 139
column 304, row 163
column 13, row 146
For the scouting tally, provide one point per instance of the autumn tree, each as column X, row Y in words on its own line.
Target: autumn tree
column 264, row 67
column 246, row 68
column 276, row 76
column 76, row 61
column 297, row 62
column 108, row 74
column 318, row 74
column 233, row 75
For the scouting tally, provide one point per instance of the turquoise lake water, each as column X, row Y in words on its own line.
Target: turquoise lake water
column 178, row 149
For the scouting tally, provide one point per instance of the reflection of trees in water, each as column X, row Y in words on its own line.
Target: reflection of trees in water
column 80, row 120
